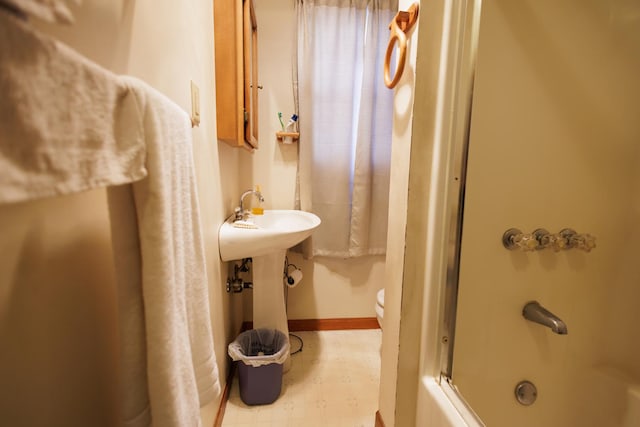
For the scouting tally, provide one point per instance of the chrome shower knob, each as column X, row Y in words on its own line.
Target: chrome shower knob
column 543, row 237
column 508, row 238
column 513, row 239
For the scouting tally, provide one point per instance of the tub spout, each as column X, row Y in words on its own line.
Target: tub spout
column 536, row 313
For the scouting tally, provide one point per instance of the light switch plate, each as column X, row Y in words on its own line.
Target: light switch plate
column 195, row 104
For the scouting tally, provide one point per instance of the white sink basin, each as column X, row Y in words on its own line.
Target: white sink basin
column 277, row 229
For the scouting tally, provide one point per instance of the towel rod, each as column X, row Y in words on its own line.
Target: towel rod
column 400, row 25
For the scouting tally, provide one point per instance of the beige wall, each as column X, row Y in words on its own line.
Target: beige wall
column 57, row 313
column 58, row 363
column 554, row 144
column 331, row 288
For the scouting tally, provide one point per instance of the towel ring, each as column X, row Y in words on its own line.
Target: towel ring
column 400, row 25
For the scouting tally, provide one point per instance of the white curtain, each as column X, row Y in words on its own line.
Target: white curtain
column 345, row 122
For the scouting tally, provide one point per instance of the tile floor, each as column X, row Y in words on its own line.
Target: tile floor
column 333, row 382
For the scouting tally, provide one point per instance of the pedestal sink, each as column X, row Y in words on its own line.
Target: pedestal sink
column 277, row 230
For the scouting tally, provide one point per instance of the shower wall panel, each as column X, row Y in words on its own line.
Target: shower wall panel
column 554, row 143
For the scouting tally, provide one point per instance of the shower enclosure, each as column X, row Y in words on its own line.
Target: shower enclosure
column 552, row 142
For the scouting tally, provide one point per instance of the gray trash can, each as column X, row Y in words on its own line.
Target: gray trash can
column 261, row 354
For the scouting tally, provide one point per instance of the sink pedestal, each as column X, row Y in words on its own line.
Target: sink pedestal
column 268, row 293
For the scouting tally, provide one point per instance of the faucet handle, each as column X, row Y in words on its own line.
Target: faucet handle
column 543, row 237
column 562, row 240
column 238, row 214
column 527, row 242
column 584, row 242
column 558, row 243
column 513, row 239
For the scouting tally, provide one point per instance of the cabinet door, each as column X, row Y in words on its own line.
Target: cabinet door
column 236, row 64
column 250, row 47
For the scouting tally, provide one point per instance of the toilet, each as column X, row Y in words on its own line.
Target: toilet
column 380, row 306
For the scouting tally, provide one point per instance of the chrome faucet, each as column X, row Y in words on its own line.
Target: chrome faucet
column 534, row 312
column 240, row 211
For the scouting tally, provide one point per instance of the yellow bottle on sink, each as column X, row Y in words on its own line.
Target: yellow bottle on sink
column 258, row 210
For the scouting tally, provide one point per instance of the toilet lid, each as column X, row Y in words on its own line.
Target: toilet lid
column 380, row 298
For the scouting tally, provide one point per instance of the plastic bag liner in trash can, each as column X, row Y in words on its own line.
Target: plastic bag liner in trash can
column 262, row 352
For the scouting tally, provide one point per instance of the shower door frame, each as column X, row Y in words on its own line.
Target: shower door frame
column 456, row 182
column 445, row 216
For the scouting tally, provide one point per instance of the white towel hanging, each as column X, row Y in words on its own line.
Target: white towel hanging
column 66, row 124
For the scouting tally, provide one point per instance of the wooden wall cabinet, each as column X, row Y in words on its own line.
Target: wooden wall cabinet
column 236, row 56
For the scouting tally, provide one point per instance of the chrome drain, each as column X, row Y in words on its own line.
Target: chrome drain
column 526, row 393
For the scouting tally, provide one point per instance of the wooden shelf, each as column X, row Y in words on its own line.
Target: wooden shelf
column 283, row 135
